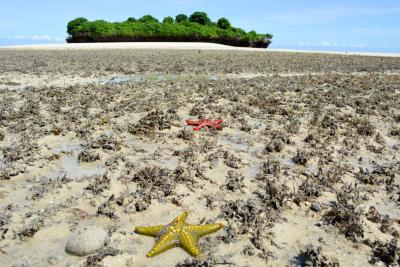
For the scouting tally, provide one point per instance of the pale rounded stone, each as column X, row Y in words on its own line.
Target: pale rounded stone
column 86, row 240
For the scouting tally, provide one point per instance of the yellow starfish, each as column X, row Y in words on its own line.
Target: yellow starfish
column 177, row 234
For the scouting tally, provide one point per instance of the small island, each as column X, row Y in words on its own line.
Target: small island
column 198, row 27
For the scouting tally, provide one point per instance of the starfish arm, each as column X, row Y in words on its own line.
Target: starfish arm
column 161, row 248
column 216, row 124
column 202, row 230
column 165, row 242
column 153, row 231
column 201, row 125
column 190, row 122
column 188, row 242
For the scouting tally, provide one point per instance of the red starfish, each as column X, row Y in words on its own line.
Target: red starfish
column 204, row 122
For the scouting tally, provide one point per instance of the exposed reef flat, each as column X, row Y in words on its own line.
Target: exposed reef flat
column 304, row 171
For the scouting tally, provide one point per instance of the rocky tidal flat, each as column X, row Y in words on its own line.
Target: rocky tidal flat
column 305, row 172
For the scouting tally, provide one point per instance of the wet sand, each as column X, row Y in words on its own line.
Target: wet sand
column 305, row 170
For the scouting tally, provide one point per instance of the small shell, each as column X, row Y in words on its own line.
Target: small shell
column 86, row 241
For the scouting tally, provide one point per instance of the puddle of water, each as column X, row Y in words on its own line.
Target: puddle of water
column 66, row 148
column 156, row 77
column 149, row 147
column 130, row 139
column 312, row 168
column 258, row 125
column 123, row 79
column 2, row 164
column 233, row 144
column 119, row 80
column 214, row 78
column 162, row 78
column 287, row 162
column 72, row 168
column 169, row 163
column 254, row 170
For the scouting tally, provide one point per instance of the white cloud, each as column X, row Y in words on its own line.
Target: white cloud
column 46, row 37
column 35, row 37
column 41, row 37
column 14, row 37
column 326, row 43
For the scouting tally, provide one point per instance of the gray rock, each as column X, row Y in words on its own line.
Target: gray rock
column 315, row 207
column 86, row 240
column 4, row 219
column 319, row 224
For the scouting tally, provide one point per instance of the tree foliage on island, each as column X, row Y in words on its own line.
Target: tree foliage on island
column 148, row 19
column 131, row 19
column 181, row 18
column 197, row 27
column 224, row 23
column 200, row 18
column 74, row 25
column 169, row 20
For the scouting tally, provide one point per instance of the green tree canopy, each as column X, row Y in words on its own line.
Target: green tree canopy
column 200, row 18
column 239, row 31
column 181, row 18
column 224, row 23
column 131, row 19
column 168, row 20
column 148, row 18
column 73, row 25
column 198, row 28
column 99, row 27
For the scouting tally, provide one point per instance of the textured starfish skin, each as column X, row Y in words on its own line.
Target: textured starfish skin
column 204, row 122
column 177, row 234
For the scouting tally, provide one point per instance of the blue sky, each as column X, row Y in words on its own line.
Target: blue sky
column 352, row 25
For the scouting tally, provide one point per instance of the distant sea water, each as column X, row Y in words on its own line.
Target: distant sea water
column 337, row 48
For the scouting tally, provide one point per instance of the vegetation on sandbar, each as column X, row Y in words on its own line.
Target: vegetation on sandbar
column 196, row 28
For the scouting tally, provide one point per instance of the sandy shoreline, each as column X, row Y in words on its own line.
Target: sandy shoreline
column 178, row 46
column 136, row 45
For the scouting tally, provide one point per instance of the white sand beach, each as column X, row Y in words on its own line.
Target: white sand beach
column 133, row 45
column 179, row 46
